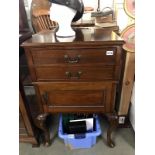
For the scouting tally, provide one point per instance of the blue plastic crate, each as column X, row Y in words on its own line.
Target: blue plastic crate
column 78, row 141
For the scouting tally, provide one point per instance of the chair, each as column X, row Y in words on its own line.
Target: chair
column 42, row 21
column 40, row 10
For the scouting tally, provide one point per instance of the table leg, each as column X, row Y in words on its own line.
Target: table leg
column 41, row 122
column 113, row 120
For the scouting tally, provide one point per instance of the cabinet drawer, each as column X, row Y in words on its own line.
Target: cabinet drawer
column 87, row 95
column 105, row 55
column 100, row 72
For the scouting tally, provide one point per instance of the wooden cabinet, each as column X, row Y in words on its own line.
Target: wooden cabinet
column 76, row 76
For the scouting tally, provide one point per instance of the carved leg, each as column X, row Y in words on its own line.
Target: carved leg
column 42, row 124
column 113, row 120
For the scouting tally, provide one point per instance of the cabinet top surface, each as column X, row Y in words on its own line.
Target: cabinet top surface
column 83, row 36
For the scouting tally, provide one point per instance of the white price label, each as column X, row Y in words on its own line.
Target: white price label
column 109, row 52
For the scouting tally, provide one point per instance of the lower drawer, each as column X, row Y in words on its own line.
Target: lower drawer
column 75, row 73
column 77, row 96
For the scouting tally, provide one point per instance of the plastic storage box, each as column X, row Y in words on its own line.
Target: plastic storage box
column 78, row 141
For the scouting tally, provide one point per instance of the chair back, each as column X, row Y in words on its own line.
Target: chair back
column 40, row 15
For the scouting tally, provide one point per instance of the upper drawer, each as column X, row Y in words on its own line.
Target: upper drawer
column 105, row 55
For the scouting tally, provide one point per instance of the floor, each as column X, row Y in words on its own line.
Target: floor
column 123, row 137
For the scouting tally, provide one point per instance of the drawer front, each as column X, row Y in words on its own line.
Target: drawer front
column 75, row 73
column 68, row 96
column 76, row 56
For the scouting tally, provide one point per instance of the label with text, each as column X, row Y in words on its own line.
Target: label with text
column 109, row 52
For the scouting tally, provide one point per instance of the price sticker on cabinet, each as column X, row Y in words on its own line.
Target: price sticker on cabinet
column 109, row 52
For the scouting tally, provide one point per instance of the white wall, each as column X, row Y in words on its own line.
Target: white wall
column 122, row 19
column 94, row 3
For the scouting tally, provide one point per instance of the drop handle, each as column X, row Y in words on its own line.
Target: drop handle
column 71, row 75
column 79, row 74
column 72, row 60
column 68, row 74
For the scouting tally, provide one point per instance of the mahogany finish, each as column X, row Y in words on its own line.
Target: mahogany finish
column 77, row 76
column 77, row 96
column 80, row 73
column 79, row 56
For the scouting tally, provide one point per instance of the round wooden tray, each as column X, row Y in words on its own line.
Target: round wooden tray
column 128, row 34
column 129, row 7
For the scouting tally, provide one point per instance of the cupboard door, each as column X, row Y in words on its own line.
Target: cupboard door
column 81, row 96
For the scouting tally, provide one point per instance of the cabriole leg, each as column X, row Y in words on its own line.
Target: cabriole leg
column 113, row 120
column 41, row 122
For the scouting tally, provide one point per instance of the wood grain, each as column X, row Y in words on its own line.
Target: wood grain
column 127, row 85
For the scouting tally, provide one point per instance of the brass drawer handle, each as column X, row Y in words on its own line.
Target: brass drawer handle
column 68, row 74
column 45, row 97
column 72, row 60
column 79, row 74
column 71, row 75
